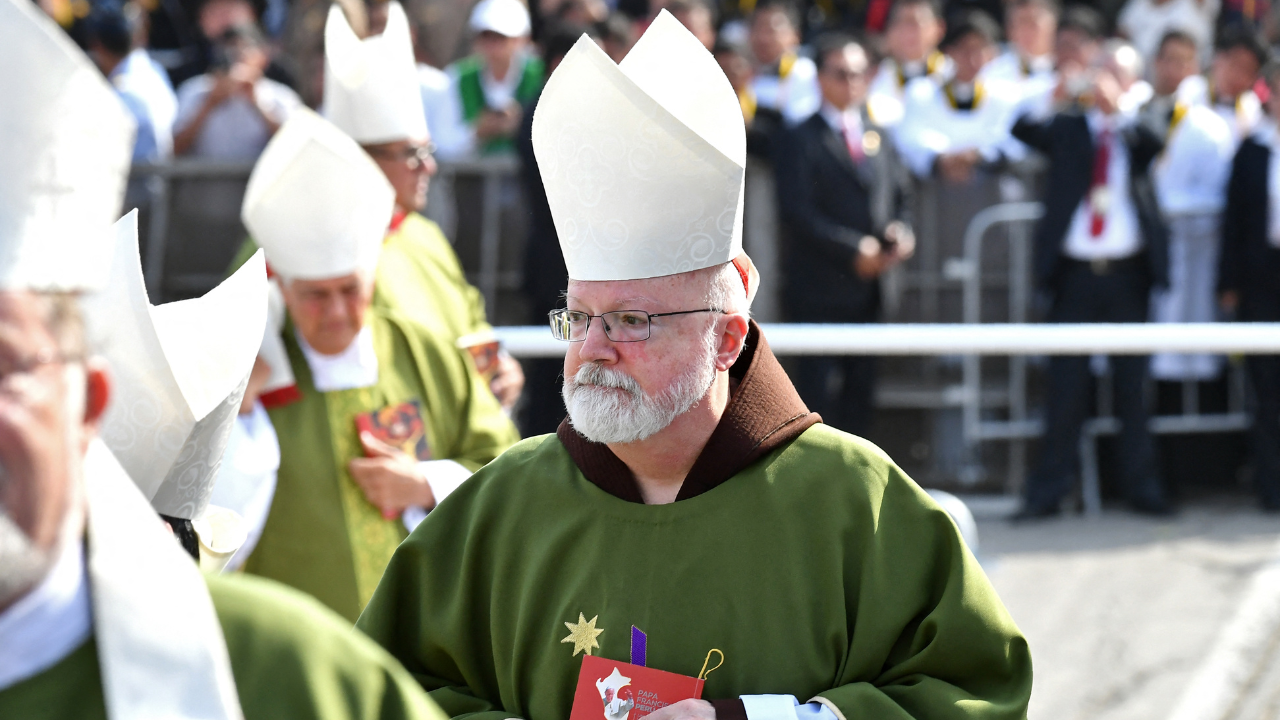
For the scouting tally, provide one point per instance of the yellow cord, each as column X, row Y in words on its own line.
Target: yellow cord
column 705, row 672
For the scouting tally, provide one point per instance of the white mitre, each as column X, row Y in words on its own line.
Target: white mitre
column 316, row 202
column 180, row 370
column 371, row 86
column 643, row 162
column 65, row 141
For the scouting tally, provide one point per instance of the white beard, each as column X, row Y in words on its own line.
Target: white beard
column 22, row 564
column 608, row 406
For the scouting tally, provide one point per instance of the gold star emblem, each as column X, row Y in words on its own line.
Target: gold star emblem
column 583, row 634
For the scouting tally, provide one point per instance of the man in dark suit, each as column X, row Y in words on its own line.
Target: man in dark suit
column 841, row 194
column 1100, row 248
column 1249, row 281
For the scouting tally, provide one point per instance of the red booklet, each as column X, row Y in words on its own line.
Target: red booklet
column 612, row 690
column 400, row 426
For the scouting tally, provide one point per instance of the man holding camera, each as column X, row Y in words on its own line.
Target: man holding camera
column 1100, row 248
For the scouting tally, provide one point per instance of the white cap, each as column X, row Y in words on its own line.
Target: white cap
column 316, row 202
column 66, row 141
column 643, row 162
column 505, row 17
column 180, row 372
column 371, row 87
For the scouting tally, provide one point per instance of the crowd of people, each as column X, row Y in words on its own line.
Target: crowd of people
column 1125, row 120
column 329, row 421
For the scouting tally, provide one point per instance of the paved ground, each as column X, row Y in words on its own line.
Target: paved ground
column 1121, row 612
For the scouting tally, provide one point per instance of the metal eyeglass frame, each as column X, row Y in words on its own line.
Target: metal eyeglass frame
column 554, row 315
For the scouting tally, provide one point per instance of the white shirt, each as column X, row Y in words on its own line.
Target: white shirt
column 1009, row 67
column 357, row 367
column 440, row 103
column 887, row 94
column 1268, row 134
column 842, row 121
column 234, row 130
column 1121, row 234
column 1191, row 174
column 1242, row 115
column 48, row 623
column 932, row 126
column 246, row 480
column 795, row 96
column 140, row 76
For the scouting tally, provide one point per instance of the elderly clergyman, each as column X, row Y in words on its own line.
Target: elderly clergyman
column 690, row 500
column 101, row 613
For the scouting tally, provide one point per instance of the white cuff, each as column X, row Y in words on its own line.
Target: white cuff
column 444, row 476
column 784, row 707
column 413, row 515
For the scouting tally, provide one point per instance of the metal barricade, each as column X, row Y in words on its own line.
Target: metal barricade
column 1020, row 426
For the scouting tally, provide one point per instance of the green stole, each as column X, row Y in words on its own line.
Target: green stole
column 322, row 535
column 472, row 93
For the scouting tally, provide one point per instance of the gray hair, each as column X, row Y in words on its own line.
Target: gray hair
column 725, row 290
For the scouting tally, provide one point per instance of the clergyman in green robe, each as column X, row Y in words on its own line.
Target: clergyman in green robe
column 388, row 417
column 690, row 499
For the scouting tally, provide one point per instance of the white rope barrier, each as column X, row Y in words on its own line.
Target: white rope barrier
column 985, row 339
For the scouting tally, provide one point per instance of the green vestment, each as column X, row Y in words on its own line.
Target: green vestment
column 818, row 568
column 322, row 536
column 419, row 276
column 291, row 658
column 471, row 93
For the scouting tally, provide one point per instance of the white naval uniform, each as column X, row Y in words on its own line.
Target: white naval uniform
column 1242, row 115
column 933, row 125
column 1190, row 179
column 1035, row 78
column 794, row 93
column 887, row 93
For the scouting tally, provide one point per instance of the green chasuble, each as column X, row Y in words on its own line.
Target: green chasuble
column 291, row 658
column 322, row 536
column 817, row 567
column 418, row 276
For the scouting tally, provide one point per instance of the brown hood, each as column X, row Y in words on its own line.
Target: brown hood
column 765, row 412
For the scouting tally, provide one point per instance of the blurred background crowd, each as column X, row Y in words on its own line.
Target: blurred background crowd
column 910, row 161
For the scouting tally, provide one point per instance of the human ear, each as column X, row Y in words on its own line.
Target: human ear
column 731, row 342
column 97, row 390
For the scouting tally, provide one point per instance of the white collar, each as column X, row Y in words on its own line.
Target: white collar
column 355, row 367
column 49, row 623
column 840, row 120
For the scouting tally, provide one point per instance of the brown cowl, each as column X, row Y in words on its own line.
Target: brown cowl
column 764, row 413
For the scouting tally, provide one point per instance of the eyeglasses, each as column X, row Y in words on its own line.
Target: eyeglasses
column 14, row 371
column 842, row 75
column 619, row 325
column 413, row 157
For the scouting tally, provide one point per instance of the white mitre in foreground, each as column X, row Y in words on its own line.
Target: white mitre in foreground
column 371, row 86
column 180, row 369
column 643, row 162
column 316, row 202
column 65, row 142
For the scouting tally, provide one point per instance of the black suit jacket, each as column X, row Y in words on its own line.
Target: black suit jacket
column 828, row 203
column 1249, row 264
column 1066, row 140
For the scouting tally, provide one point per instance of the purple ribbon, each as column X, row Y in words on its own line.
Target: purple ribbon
column 639, row 646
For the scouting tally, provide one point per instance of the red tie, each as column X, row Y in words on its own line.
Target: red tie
column 853, row 141
column 1098, row 188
